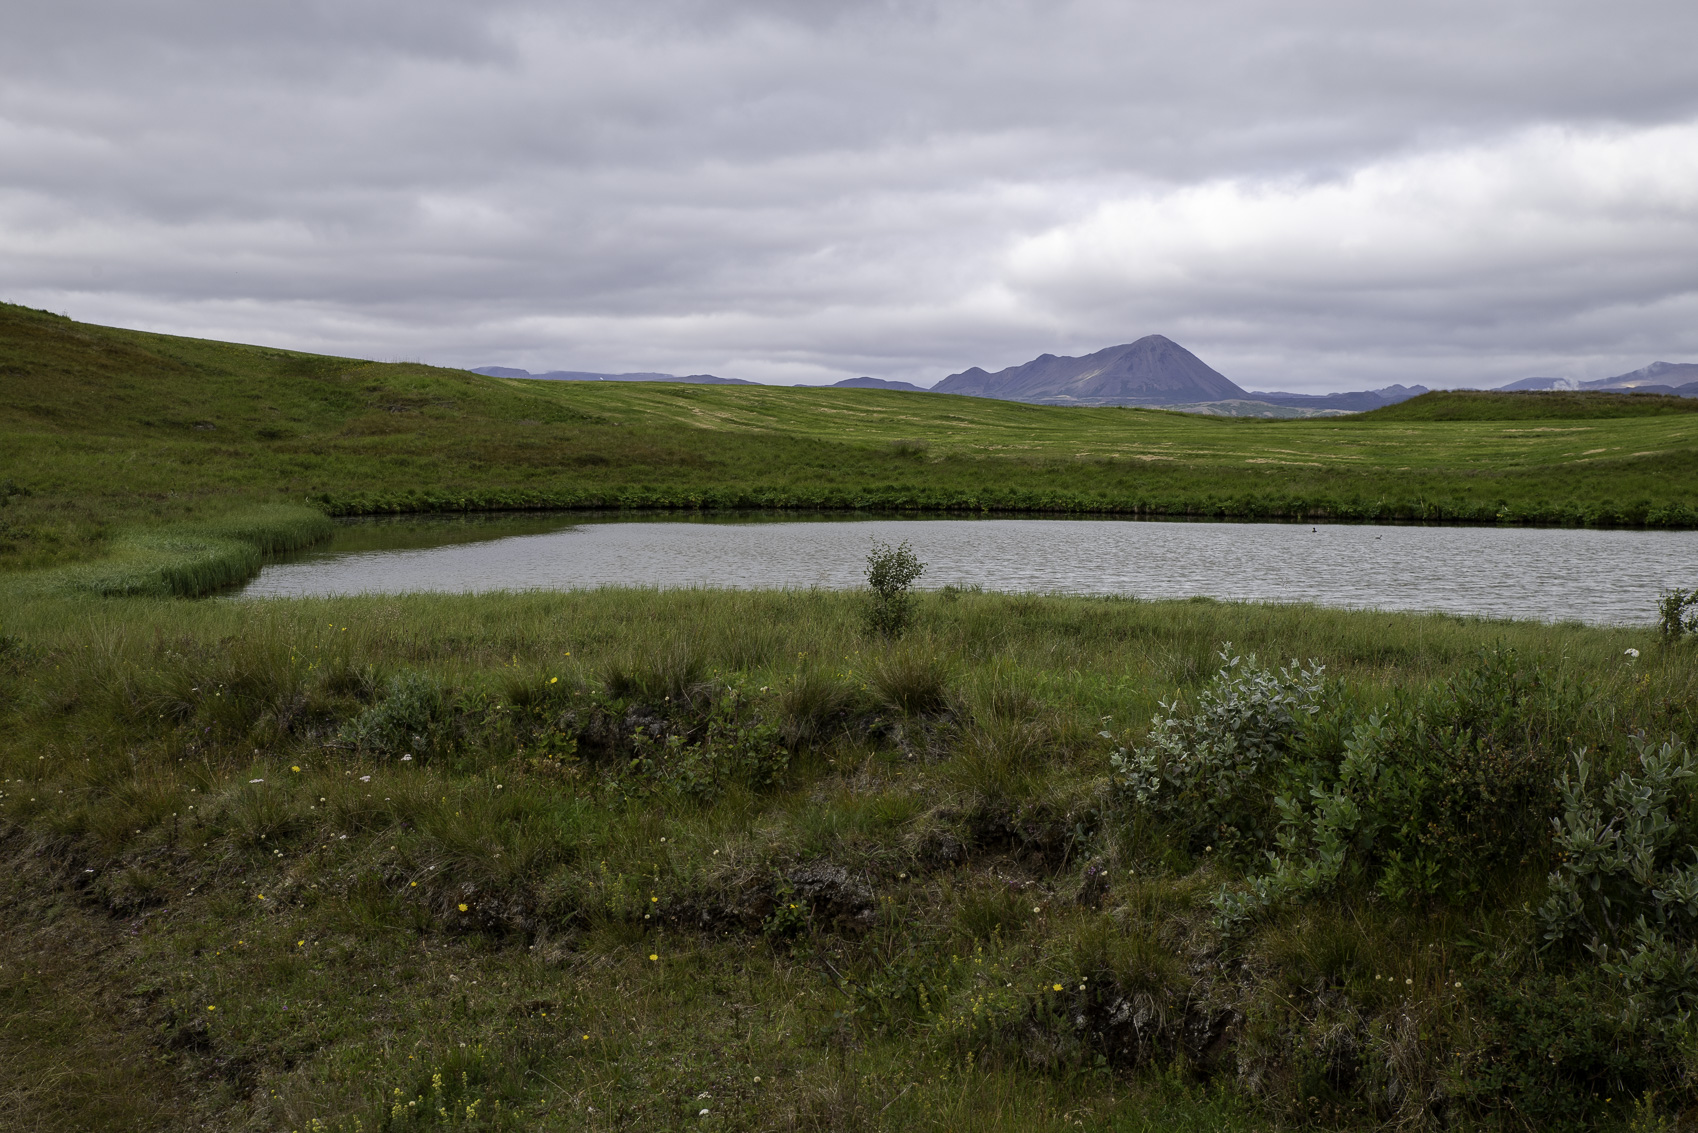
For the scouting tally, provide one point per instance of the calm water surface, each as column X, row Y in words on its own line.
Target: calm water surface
column 1601, row 577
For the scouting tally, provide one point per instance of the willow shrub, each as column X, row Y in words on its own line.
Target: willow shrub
column 891, row 574
column 1625, row 886
column 1210, row 770
column 1430, row 794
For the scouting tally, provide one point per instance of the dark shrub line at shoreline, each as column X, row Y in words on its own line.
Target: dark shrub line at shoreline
column 1669, row 516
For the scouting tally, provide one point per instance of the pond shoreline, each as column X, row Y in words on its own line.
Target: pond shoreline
column 1549, row 574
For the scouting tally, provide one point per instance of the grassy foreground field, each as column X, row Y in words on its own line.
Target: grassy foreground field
column 651, row 860
column 147, row 450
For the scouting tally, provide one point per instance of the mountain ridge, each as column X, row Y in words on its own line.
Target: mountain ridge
column 1156, row 372
column 1677, row 378
column 877, row 383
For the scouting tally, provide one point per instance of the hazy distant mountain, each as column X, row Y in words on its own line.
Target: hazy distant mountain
column 1690, row 389
column 1359, row 402
column 1657, row 373
column 1540, row 383
column 1154, row 370
column 1679, row 378
column 876, row 383
column 586, row 376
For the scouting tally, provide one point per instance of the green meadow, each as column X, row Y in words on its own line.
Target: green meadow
column 754, row 860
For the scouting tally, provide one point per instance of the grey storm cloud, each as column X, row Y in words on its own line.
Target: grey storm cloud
column 1311, row 195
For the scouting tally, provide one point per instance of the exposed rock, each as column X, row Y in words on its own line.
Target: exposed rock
column 836, row 896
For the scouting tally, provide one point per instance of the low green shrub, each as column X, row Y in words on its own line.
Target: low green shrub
column 1625, row 885
column 728, row 743
column 1559, row 1052
column 891, row 573
column 1433, row 796
column 1677, row 613
column 404, row 722
column 1430, row 795
column 1210, row 770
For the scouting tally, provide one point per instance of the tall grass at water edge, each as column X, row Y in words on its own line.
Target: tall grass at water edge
column 185, row 559
column 348, row 844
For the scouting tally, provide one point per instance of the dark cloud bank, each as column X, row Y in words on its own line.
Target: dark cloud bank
column 1311, row 196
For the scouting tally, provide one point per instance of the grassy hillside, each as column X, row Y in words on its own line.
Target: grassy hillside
column 1532, row 405
column 105, row 432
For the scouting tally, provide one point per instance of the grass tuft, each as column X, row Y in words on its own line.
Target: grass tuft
column 910, row 679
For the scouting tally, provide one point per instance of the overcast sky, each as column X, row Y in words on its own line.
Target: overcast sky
column 1310, row 194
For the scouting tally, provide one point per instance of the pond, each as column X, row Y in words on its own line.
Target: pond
column 1550, row 574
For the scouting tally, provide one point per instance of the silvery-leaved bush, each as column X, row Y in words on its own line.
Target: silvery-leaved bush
column 1245, row 717
column 403, row 720
column 1616, row 850
column 1626, row 881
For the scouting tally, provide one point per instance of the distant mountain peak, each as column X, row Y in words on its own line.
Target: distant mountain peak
column 1153, row 370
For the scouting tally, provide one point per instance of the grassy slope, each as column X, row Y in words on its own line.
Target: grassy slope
column 109, row 430
column 1493, row 405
